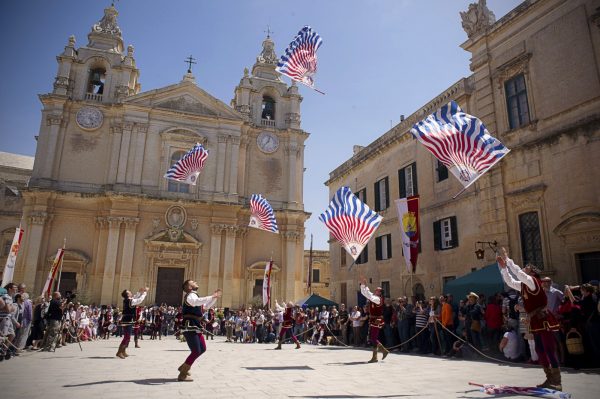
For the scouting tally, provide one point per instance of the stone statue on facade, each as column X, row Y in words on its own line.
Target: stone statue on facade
column 267, row 56
column 477, row 18
column 108, row 23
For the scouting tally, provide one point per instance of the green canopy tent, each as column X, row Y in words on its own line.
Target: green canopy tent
column 486, row 280
column 314, row 300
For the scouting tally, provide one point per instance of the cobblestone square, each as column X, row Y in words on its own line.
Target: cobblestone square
column 228, row 370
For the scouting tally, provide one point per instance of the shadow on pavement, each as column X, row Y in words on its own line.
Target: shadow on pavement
column 280, row 368
column 345, row 363
column 148, row 381
column 100, row 357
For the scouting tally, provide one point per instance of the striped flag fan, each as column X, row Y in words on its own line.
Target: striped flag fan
column 460, row 141
column 299, row 62
column 547, row 393
column 188, row 168
column 350, row 221
column 262, row 216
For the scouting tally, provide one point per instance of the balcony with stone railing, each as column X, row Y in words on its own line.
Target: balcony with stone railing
column 267, row 123
column 93, row 97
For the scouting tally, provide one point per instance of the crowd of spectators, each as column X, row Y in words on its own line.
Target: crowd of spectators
column 496, row 326
column 47, row 324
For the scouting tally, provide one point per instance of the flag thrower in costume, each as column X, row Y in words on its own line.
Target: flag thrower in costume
column 187, row 169
column 9, row 269
column 350, row 221
column 408, row 217
column 267, row 283
column 52, row 274
column 461, row 142
column 262, row 216
column 491, row 389
column 299, row 62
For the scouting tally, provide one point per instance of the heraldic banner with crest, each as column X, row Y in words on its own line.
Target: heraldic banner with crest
column 408, row 217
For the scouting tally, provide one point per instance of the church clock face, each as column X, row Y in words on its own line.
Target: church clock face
column 89, row 118
column 267, row 142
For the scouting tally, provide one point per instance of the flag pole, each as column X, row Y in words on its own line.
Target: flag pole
column 310, row 261
column 61, row 265
column 270, row 273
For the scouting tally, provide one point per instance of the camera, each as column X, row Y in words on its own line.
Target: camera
column 69, row 296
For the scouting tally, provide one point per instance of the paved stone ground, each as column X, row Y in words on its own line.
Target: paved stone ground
column 228, row 370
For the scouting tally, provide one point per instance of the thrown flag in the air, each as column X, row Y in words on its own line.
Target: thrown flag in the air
column 350, row 221
column 491, row 389
column 187, row 169
column 460, row 141
column 299, row 62
column 262, row 216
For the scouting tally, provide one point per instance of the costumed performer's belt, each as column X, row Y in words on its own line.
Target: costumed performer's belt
column 376, row 321
column 541, row 319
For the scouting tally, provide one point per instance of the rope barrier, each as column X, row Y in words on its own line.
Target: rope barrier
column 407, row 341
column 474, row 348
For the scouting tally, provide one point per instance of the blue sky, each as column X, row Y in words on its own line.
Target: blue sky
column 379, row 59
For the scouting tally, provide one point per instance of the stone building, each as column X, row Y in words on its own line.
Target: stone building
column 15, row 171
column 536, row 86
column 321, row 273
column 104, row 146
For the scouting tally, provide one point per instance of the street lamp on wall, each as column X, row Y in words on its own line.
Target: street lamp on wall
column 480, row 252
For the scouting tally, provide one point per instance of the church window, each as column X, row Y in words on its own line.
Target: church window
column 531, row 239
column 316, row 275
column 174, row 186
column 268, row 108
column 516, row 102
column 97, row 80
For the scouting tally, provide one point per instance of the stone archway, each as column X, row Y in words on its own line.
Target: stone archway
column 172, row 256
column 255, row 274
column 75, row 272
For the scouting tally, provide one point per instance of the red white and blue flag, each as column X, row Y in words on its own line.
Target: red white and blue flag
column 492, row 389
column 262, row 216
column 350, row 221
column 188, row 168
column 299, row 62
column 460, row 141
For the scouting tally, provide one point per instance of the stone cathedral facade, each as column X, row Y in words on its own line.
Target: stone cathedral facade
column 103, row 148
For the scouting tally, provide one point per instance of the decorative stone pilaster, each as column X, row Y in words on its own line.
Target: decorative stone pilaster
column 112, row 246
column 291, row 151
column 233, row 168
column 227, row 278
column 128, row 249
column 34, row 235
column 221, row 147
column 124, row 151
column 216, row 231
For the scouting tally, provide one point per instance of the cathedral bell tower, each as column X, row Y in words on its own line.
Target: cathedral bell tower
column 101, row 71
column 263, row 97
